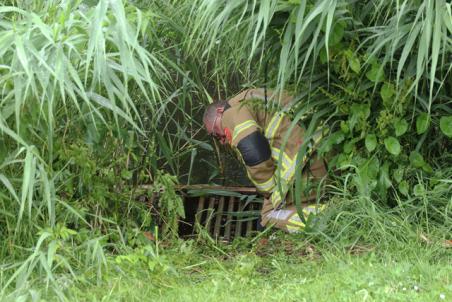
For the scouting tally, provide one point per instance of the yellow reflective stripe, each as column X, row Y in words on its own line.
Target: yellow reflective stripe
column 287, row 164
column 242, row 127
column 313, row 209
column 279, row 192
column 289, row 173
column 275, row 198
column 294, row 228
column 273, row 125
column 286, row 161
column 295, row 219
column 265, row 186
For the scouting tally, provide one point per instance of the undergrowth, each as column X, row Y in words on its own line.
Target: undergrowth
column 99, row 107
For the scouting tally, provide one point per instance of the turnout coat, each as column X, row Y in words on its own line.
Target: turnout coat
column 267, row 142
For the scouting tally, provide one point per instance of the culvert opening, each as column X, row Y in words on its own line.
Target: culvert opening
column 224, row 212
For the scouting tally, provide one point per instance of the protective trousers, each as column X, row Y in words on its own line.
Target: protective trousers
column 285, row 215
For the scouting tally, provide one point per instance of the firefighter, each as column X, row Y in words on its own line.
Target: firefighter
column 258, row 135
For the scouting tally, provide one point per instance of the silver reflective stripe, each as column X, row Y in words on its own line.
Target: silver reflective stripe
column 280, row 214
column 242, row 127
column 289, row 173
column 265, row 186
column 286, row 161
column 273, row 126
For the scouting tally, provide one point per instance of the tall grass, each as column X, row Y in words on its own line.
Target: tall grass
column 412, row 36
column 96, row 96
column 65, row 66
column 369, row 72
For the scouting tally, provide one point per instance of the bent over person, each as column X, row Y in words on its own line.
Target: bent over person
column 259, row 137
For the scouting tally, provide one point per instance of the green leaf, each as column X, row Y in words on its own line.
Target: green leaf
column 323, row 56
column 392, row 145
column 344, row 127
column 373, row 168
column 427, row 168
column 349, row 146
column 416, row 159
column 422, row 123
column 125, row 174
column 418, row 190
column 400, row 126
column 403, row 187
column 375, row 74
column 337, row 33
column 445, row 124
column 354, row 64
column 387, row 91
column 337, row 138
column 9, row 186
column 384, row 182
column 398, row 175
column 371, row 142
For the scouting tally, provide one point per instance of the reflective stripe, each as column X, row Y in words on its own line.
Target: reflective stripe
column 280, row 214
column 289, row 173
column 294, row 224
column 273, row 126
column 288, row 170
column 265, row 186
column 295, row 219
column 294, row 229
column 279, row 192
column 276, row 198
column 313, row 209
column 286, row 161
column 242, row 127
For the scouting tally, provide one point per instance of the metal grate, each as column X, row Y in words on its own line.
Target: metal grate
column 224, row 215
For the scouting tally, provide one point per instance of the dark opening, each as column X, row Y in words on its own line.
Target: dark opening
column 224, row 215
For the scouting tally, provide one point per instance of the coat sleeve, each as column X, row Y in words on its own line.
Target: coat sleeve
column 252, row 147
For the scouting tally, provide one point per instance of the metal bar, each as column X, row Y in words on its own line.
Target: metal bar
column 210, row 213
column 227, row 229
column 200, row 209
column 249, row 225
column 208, row 187
column 238, row 228
column 219, row 188
column 218, row 216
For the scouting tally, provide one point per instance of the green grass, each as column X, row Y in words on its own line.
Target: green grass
column 279, row 276
column 285, row 268
column 97, row 97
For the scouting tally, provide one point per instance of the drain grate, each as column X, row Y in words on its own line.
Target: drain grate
column 225, row 212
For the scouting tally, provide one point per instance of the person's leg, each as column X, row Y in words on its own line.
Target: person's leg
column 275, row 217
column 286, row 217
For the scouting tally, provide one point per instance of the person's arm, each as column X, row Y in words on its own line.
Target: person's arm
column 256, row 153
column 247, row 138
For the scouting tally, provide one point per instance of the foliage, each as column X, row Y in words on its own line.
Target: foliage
column 170, row 203
column 73, row 77
column 369, row 72
column 274, row 268
column 98, row 97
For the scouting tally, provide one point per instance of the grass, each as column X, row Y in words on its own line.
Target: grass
column 98, row 96
column 367, row 253
column 283, row 269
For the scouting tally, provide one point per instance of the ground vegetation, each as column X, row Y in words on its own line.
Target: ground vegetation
column 100, row 97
